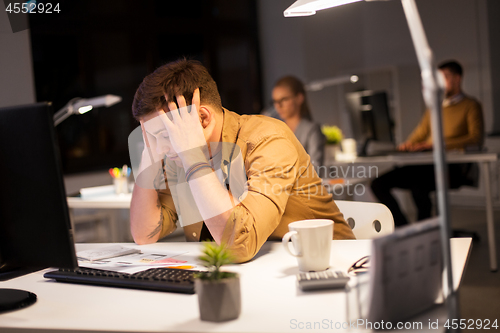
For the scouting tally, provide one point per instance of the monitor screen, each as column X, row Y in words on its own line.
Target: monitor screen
column 370, row 118
column 35, row 230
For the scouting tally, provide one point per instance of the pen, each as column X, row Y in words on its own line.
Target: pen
column 181, row 267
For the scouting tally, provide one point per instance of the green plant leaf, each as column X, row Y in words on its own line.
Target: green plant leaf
column 213, row 257
column 333, row 134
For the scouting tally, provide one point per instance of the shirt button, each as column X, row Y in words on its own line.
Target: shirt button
column 194, row 234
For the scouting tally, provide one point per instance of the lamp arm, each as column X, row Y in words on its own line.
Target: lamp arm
column 62, row 114
column 432, row 93
column 320, row 84
column 65, row 111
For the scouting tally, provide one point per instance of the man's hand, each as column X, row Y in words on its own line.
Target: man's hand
column 405, row 146
column 185, row 130
column 150, row 154
column 422, row 146
column 150, row 170
column 419, row 146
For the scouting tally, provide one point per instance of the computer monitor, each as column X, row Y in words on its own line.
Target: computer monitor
column 406, row 272
column 35, row 229
column 370, row 119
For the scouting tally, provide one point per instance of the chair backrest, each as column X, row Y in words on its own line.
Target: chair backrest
column 367, row 219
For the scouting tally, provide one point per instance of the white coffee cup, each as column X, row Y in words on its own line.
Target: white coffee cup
column 312, row 242
column 349, row 147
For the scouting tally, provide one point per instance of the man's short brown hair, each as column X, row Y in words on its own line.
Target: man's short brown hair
column 453, row 66
column 180, row 77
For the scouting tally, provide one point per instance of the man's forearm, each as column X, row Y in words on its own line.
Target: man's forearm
column 214, row 202
column 146, row 217
column 462, row 142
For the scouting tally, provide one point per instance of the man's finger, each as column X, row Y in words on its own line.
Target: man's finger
column 196, row 98
column 171, row 107
column 196, row 103
column 146, row 142
column 164, row 119
column 144, row 137
column 181, row 101
column 174, row 112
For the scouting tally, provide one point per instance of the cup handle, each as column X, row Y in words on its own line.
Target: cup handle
column 286, row 239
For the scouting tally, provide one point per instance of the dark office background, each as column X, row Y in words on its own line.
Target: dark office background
column 93, row 48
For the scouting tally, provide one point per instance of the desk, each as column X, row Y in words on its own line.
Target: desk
column 484, row 159
column 112, row 201
column 270, row 298
column 116, row 201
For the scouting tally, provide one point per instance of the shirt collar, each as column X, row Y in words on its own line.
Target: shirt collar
column 230, row 126
column 453, row 99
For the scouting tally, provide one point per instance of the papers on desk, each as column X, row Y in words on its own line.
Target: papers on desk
column 138, row 261
column 105, row 253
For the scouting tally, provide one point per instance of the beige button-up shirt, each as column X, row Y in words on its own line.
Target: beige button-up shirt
column 282, row 185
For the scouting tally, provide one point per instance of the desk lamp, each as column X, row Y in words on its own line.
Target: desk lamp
column 432, row 88
column 83, row 105
column 333, row 81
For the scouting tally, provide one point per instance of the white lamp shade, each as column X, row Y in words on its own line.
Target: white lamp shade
column 83, row 105
column 106, row 100
column 309, row 7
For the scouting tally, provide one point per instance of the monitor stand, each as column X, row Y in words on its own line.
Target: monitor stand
column 13, row 299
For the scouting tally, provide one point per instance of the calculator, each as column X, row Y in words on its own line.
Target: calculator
column 322, row 280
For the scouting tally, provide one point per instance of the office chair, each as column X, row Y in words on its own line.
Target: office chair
column 367, row 219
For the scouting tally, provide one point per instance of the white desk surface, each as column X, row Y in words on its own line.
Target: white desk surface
column 270, row 298
column 114, row 201
column 422, row 158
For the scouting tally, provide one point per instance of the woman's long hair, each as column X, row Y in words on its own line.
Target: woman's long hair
column 296, row 86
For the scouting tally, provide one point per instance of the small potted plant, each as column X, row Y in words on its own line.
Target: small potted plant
column 219, row 296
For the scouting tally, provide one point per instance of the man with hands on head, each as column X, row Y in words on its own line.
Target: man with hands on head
column 194, row 153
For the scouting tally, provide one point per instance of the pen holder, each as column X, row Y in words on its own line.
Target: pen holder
column 121, row 185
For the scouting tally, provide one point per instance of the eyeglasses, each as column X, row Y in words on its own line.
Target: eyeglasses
column 280, row 101
column 360, row 266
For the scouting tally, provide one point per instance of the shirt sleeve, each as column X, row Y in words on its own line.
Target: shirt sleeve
column 422, row 132
column 475, row 130
column 271, row 174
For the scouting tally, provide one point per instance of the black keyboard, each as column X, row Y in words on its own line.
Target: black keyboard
column 157, row 279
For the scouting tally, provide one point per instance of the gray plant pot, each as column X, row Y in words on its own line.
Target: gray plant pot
column 219, row 300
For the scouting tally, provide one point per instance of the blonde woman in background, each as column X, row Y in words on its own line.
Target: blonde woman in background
column 290, row 101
